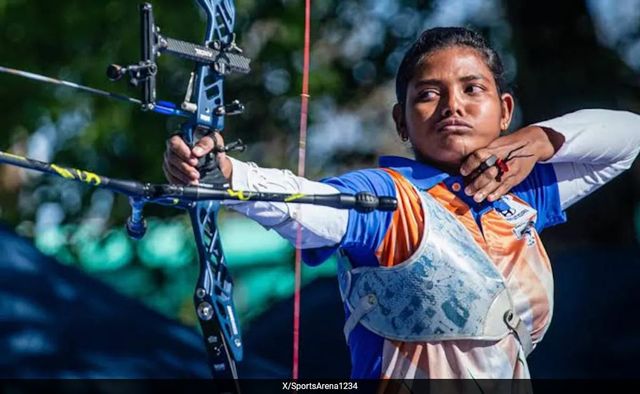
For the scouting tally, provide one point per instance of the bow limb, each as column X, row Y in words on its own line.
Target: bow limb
column 203, row 110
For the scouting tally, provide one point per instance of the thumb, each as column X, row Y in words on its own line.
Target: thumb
column 203, row 146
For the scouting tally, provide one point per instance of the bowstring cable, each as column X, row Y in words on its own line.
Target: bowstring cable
column 302, row 145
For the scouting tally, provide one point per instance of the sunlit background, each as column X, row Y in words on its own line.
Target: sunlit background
column 560, row 56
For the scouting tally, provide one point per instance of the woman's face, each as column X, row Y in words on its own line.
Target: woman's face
column 452, row 107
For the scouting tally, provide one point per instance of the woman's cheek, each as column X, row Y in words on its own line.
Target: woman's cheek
column 488, row 135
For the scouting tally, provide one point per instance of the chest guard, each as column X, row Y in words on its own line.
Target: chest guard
column 449, row 289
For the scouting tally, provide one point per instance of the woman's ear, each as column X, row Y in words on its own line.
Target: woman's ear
column 398, row 118
column 507, row 103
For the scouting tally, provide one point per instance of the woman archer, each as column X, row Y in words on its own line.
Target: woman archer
column 456, row 282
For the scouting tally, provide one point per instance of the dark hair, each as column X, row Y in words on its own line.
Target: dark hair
column 442, row 37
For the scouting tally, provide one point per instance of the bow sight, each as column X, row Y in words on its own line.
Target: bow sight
column 220, row 53
column 203, row 110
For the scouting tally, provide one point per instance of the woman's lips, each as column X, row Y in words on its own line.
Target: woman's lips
column 455, row 129
column 453, row 125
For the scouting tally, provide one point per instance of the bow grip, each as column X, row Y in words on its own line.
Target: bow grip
column 210, row 173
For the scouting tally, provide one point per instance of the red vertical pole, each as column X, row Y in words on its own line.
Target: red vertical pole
column 302, row 145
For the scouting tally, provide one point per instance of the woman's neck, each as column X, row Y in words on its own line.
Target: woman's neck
column 449, row 168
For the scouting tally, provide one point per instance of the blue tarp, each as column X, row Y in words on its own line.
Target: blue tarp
column 56, row 321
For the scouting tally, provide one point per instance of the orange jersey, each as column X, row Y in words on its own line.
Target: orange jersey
column 506, row 230
column 522, row 261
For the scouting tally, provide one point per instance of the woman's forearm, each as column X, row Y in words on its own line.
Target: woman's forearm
column 596, row 136
column 598, row 145
column 321, row 226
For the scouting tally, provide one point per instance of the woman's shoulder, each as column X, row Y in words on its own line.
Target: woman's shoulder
column 368, row 179
column 542, row 177
column 540, row 190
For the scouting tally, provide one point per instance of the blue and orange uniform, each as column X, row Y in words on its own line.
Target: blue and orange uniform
column 506, row 230
column 445, row 287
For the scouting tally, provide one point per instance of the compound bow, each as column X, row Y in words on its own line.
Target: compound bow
column 203, row 110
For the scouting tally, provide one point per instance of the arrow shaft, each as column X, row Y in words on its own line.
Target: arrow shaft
column 73, row 85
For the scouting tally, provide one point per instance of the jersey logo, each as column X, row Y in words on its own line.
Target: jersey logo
column 521, row 216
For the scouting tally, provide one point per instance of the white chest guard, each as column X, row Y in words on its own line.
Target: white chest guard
column 448, row 289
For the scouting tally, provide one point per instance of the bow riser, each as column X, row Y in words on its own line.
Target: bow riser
column 204, row 109
column 214, row 288
column 219, row 34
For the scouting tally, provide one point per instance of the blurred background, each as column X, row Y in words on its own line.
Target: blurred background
column 560, row 57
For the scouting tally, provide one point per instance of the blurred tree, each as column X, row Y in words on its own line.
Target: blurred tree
column 551, row 49
column 562, row 68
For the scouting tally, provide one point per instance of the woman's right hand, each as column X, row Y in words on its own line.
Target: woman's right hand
column 180, row 162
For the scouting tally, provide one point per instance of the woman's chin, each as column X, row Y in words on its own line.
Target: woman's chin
column 455, row 142
column 449, row 153
column 455, row 148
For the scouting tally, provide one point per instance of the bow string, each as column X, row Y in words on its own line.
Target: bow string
column 203, row 112
column 302, row 149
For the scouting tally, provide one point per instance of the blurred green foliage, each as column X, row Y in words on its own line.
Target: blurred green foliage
column 554, row 53
column 160, row 269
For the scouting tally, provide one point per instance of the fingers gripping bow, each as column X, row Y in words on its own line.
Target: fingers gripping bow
column 203, row 110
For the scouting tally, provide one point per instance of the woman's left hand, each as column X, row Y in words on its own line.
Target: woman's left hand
column 520, row 150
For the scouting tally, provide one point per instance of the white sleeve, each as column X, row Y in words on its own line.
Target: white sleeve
column 599, row 145
column 320, row 226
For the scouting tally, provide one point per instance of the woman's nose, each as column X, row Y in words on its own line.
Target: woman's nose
column 450, row 105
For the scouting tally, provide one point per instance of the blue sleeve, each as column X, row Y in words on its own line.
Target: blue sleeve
column 365, row 231
column 540, row 191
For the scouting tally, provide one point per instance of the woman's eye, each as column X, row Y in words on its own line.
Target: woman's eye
column 474, row 89
column 427, row 94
